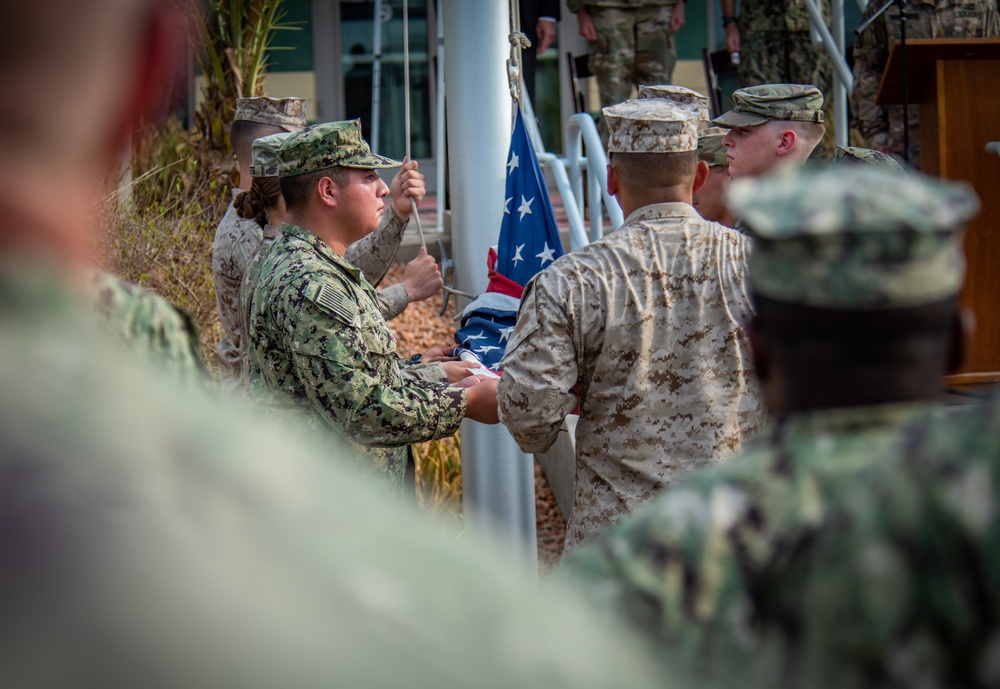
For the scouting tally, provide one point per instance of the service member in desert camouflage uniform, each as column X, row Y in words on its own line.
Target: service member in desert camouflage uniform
column 631, row 42
column 237, row 239
column 319, row 347
column 641, row 329
column 770, row 127
column 882, row 127
column 855, row 275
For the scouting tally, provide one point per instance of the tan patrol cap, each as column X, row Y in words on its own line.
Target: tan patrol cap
column 287, row 113
column 651, row 125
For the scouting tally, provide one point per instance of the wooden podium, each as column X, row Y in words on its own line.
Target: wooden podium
column 955, row 83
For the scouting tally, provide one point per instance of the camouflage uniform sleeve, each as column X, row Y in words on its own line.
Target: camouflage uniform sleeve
column 352, row 378
column 870, row 56
column 373, row 254
column 431, row 373
column 537, row 389
column 392, row 301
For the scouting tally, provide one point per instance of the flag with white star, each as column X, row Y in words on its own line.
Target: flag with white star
column 529, row 236
column 529, row 241
column 486, row 326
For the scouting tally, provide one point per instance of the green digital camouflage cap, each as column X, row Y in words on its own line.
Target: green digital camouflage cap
column 331, row 144
column 758, row 104
column 287, row 113
column 858, row 238
column 710, row 148
column 868, row 156
column 264, row 155
column 680, row 95
column 651, row 125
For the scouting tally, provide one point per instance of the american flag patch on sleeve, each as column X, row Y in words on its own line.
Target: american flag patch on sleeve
column 336, row 303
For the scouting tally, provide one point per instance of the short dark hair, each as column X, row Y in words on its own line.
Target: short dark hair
column 243, row 133
column 298, row 188
column 655, row 170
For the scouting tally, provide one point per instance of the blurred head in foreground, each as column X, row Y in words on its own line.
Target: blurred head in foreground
column 856, row 272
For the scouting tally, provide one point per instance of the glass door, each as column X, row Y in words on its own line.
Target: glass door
column 360, row 64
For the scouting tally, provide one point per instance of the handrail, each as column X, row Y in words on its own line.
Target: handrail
column 839, row 64
column 580, row 130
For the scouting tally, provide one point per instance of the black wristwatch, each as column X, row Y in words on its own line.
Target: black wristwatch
column 728, row 20
column 415, row 359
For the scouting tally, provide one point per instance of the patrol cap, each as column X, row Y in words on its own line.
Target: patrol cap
column 757, row 104
column 859, row 238
column 327, row 145
column 680, row 95
column 287, row 113
column 710, row 148
column 856, row 154
column 651, row 125
column 264, row 155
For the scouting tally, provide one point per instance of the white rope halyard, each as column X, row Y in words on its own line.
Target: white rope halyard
column 406, row 106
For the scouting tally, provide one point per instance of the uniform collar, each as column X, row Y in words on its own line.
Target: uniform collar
column 321, row 248
column 654, row 211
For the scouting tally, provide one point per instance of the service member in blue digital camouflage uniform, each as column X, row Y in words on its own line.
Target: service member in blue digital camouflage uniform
column 855, row 275
column 238, row 237
column 319, row 346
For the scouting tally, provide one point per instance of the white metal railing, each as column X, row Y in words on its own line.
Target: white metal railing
column 581, row 131
column 568, row 175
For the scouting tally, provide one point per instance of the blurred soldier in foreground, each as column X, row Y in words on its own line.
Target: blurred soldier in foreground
column 319, row 347
column 855, row 275
column 770, row 127
column 237, row 238
column 151, row 540
column 710, row 200
column 882, row 127
column 641, row 330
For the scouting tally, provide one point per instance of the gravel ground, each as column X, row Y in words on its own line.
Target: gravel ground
column 420, row 327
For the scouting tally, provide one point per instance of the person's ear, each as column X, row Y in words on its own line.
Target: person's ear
column 786, row 142
column 327, row 190
column 157, row 72
column 614, row 182
column 700, row 176
column 963, row 324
